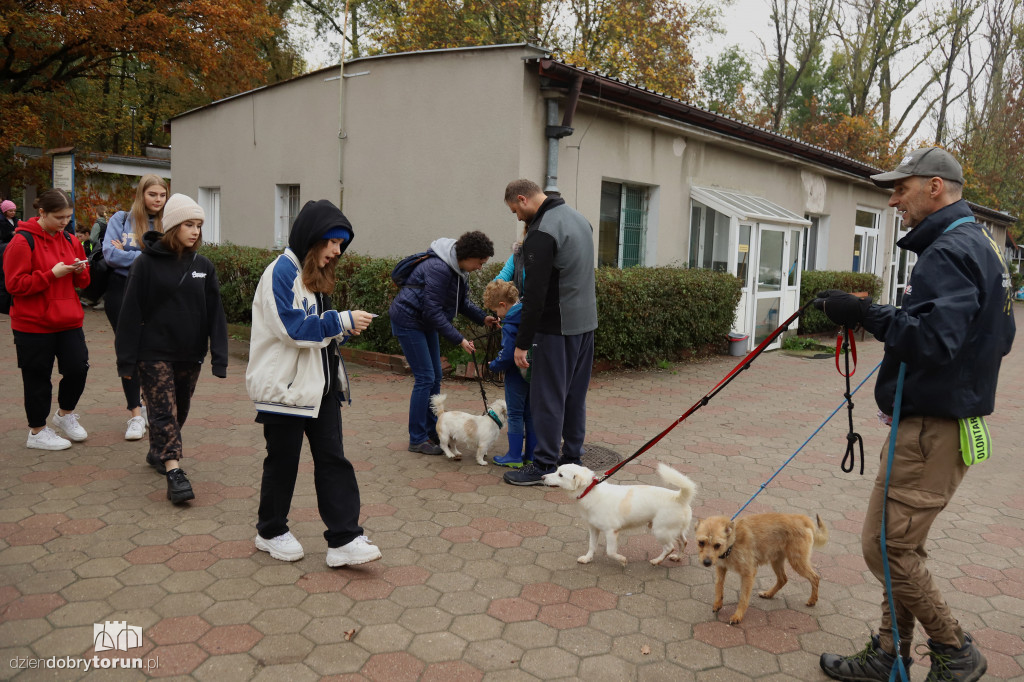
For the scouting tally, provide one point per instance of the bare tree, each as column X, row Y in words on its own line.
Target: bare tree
column 801, row 28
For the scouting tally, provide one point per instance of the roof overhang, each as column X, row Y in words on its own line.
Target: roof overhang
column 746, row 207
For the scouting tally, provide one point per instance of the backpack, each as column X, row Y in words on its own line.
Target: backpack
column 5, row 296
column 401, row 272
column 99, row 276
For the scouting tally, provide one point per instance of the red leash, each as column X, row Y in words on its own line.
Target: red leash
column 744, row 364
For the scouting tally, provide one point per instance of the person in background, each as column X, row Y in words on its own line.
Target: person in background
column 46, row 318
column 514, row 269
column 8, row 220
column 558, row 322
column 170, row 316
column 297, row 380
column 433, row 294
column 503, row 299
column 83, row 239
column 122, row 244
column 99, row 227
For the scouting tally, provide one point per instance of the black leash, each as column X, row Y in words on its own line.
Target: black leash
column 478, row 369
column 845, row 341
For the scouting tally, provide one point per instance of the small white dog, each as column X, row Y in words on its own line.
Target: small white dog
column 461, row 427
column 609, row 508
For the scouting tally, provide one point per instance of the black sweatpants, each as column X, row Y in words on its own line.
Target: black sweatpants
column 168, row 387
column 114, row 298
column 36, row 353
column 337, row 492
column 559, row 381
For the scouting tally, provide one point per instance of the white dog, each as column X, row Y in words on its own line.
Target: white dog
column 461, row 427
column 609, row 508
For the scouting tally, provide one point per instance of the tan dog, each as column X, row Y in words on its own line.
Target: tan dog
column 469, row 430
column 756, row 540
column 609, row 508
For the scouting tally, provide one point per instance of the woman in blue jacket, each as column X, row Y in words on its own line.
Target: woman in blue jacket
column 433, row 294
column 122, row 244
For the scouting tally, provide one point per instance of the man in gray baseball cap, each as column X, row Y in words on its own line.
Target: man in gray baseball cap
column 927, row 162
column 946, row 341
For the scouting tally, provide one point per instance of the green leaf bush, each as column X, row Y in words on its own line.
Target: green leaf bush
column 813, row 321
column 645, row 315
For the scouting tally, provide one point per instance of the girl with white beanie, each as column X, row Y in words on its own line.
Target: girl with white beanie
column 171, row 316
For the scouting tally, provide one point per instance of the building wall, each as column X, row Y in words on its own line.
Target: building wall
column 246, row 146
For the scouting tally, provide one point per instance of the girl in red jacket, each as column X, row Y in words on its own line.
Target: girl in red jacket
column 42, row 266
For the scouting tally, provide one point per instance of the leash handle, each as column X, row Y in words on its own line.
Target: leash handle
column 844, row 341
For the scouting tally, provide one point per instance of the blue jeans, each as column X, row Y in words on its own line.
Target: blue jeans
column 422, row 351
column 517, row 399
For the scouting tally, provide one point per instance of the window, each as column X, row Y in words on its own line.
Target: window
column 814, row 246
column 209, row 200
column 622, row 230
column 901, row 264
column 865, row 240
column 287, row 208
column 709, row 238
column 743, row 254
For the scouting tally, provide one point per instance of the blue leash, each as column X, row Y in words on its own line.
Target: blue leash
column 820, row 427
column 898, row 665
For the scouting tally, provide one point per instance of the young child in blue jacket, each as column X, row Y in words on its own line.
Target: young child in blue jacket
column 503, row 298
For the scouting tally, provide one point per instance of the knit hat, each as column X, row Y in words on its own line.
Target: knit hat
column 180, row 208
column 7, row 205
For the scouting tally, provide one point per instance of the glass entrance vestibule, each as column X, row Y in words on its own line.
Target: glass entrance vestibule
column 758, row 241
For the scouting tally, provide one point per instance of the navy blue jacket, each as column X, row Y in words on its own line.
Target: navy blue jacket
column 955, row 324
column 432, row 296
column 506, row 360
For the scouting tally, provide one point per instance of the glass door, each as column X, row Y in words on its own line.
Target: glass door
column 771, row 276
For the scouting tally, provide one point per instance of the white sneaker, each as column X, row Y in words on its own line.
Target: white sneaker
column 283, row 547
column 359, row 551
column 136, row 428
column 47, row 439
column 70, row 426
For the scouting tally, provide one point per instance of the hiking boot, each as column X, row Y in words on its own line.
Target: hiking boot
column 426, row 448
column 283, row 548
column 950, row 664
column 359, row 551
column 178, row 488
column 870, row 664
column 46, row 439
column 136, row 429
column 68, row 423
column 530, row 474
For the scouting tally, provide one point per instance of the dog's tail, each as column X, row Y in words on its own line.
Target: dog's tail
column 437, row 403
column 687, row 488
column 820, row 533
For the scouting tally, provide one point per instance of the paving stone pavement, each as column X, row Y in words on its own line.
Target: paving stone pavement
column 479, row 579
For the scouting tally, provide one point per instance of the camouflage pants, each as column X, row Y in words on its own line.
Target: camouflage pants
column 167, row 387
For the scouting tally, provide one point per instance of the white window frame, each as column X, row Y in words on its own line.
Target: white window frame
column 209, row 201
column 814, row 246
column 286, row 208
column 869, row 241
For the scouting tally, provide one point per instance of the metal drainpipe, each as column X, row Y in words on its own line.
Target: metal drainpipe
column 551, row 178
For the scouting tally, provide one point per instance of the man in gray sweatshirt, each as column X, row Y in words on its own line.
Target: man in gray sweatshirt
column 558, row 322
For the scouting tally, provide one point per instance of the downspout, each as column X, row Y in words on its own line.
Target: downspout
column 341, row 112
column 555, row 132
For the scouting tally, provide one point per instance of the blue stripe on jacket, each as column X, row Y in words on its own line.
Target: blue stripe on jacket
column 302, row 324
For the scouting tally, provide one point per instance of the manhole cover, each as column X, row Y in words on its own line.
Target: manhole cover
column 598, row 458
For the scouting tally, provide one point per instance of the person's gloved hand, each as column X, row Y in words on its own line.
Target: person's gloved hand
column 842, row 308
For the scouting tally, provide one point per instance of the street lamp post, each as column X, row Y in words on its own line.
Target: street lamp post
column 132, row 109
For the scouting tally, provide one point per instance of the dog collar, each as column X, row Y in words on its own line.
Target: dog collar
column 490, row 413
column 727, row 553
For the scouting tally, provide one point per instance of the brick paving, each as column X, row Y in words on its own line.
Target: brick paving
column 479, row 580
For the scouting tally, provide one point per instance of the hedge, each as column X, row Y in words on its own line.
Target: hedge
column 644, row 314
column 814, row 321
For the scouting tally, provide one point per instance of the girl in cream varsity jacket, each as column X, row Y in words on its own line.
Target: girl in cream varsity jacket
column 298, row 382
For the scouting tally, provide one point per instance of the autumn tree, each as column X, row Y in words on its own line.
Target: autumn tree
column 800, row 30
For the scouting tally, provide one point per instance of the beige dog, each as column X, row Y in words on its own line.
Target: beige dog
column 454, row 428
column 756, row 540
column 609, row 508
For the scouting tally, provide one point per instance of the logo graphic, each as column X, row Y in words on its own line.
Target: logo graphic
column 196, row 275
column 906, row 160
column 116, row 635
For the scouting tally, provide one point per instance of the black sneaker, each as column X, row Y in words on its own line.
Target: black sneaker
column 950, row 664
column 426, row 448
column 156, row 463
column 178, row 488
column 870, row 664
column 530, row 474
